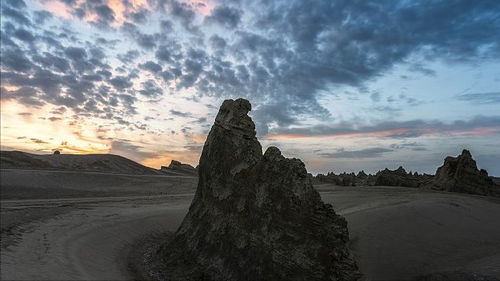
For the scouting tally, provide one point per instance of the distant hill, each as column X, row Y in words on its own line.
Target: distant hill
column 105, row 163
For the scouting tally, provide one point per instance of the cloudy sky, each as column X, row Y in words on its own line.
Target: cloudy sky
column 343, row 85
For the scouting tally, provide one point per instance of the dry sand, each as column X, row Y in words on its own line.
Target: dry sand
column 44, row 184
column 397, row 233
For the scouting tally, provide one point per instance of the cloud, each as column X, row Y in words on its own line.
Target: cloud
column 16, row 15
column 151, row 66
column 121, row 83
column 38, row 141
column 127, row 149
column 374, row 152
column 284, row 56
column 75, row 53
column 397, row 129
column 180, row 113
column 16, row 61
column 226, row 16
column 18, row 4
column 486, row 98
column 151, row 89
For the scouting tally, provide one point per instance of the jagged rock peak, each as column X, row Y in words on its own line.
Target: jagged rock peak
column 255, row 216
column 460, row 174
column 233, row 115
column 466, row 153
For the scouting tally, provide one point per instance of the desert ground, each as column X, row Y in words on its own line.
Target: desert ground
column 76, row 233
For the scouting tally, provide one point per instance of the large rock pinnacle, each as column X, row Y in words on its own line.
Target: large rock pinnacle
column 254, row 216
column 460, row 174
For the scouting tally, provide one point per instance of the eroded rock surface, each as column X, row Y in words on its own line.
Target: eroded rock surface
column 254, row 216
column 460, row 174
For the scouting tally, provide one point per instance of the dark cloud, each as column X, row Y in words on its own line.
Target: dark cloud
column 39, row 141
column 283, row 56
column 50, row 61
column 53, row 118
column 414, row 146
column 18, row 4
column 146, row 41
column 151, row 89
column 121, row 82
column 129, row 150
column 184, row 13
column 151, row 66
column 75, row 53
column 139, row 16
column 40, row 17
column 180, row 113
column 226, row 16
column 398, row 129
column 374, row 152
column 15, row 15
column 105, row 14
column 217, row 42
column 487, row 98
column 15, row 60
column 129, row 57
column 24, row 35
column 296, row 51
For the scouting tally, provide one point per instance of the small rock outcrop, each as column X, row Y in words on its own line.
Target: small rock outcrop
column 254, row 216
column 176, row 166
column 460, row 174
column 57, row 152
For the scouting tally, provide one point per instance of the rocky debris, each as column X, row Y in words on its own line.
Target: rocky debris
column 254, row 216
column 400, row 177
column 460, row 174
column 176, row 166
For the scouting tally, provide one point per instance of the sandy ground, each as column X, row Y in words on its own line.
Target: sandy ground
column 43, row 184
column 396, row 233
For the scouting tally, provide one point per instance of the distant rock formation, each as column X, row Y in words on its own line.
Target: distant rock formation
column 386, row 177
column 400, row 177
column 254, row 216
column 460, row 174
column 176, row 166
column 343, row 179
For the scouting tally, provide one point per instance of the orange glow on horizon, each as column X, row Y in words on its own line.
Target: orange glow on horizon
column 185, row 157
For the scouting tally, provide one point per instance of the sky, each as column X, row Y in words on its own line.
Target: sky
column 344, row 85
